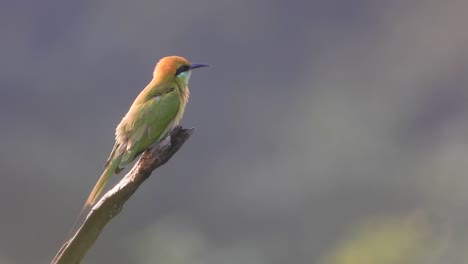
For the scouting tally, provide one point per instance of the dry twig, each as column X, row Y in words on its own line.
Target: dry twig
column 112, row 202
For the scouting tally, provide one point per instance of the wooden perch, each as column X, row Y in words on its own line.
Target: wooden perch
column 112, row 202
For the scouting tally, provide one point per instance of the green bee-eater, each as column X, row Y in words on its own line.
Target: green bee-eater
column 153, row 114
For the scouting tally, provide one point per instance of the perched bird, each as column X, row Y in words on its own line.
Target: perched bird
column 153, row 114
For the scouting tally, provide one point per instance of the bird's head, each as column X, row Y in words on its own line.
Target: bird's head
column 175, row 68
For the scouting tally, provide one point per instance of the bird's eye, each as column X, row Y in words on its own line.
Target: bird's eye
column 182, row 69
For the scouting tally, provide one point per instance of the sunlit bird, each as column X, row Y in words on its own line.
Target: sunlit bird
column 153, row 114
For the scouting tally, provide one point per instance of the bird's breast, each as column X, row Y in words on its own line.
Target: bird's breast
column 183, row 99
column 184, row 96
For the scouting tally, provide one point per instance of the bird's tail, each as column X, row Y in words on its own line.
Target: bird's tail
column 111, row 167
column 110, row 170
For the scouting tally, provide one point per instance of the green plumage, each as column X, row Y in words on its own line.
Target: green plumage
column 153, row 114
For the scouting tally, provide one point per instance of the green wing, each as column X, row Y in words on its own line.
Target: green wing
column 145, row 124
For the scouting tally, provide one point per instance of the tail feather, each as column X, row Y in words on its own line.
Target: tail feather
column 112, row 166
column 110, row 170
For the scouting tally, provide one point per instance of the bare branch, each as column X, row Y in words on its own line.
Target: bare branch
column 112, row 202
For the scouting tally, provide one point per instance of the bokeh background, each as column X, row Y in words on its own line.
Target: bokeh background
column 329, row 132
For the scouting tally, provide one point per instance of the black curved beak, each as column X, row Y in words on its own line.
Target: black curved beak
column 197, row 65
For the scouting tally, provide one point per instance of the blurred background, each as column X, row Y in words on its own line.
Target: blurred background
column 330, row 132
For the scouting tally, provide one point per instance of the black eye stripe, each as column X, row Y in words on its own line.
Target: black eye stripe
column 182, row 69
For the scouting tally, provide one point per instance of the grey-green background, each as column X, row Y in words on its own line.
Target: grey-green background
column 316, row 118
